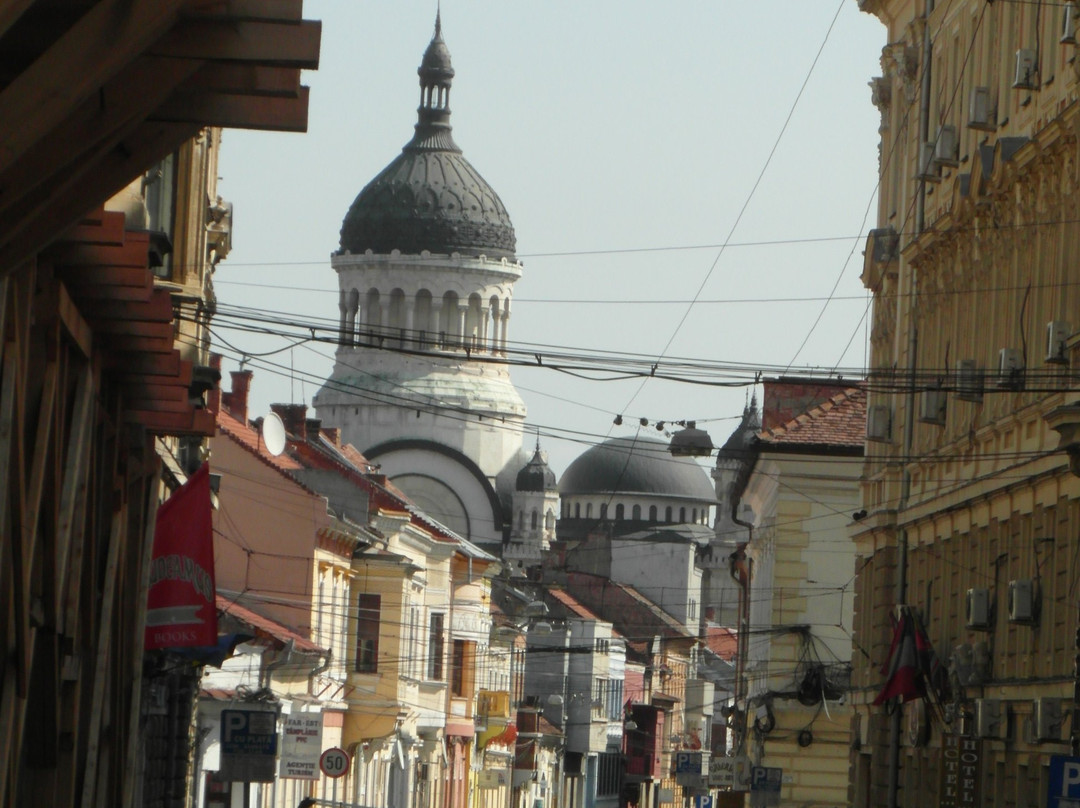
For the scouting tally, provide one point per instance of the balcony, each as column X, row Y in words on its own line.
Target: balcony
column 493, row 703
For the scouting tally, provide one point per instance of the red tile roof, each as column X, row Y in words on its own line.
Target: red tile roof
column 567, row 600
column 838, row 422
column 250, row 439
column 721, row 641
column 266, row 626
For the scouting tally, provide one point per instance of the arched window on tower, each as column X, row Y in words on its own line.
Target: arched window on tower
column 473, row 323
column 422, row 318
column 682, row 516
column 396, row 316
column 493, row 324
column 603, row 510
column 448, row 321
column 577, row 510
column 693, row 515
column 549, row 520
column 588, row 510
column 521, row 520
column 535, row 519
column 373, row 312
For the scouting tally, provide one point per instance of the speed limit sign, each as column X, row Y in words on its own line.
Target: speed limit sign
column 334, row 762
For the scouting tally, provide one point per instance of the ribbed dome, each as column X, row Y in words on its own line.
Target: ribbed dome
column 536, row 475
column 430, row 197
column 636, row 466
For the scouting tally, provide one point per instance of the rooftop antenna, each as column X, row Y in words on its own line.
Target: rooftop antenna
column 273, row 434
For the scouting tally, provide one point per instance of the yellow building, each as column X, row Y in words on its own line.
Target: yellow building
column 971, row 510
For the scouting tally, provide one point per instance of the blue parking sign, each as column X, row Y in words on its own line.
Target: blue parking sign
column 1063, row 789
column 704, row 801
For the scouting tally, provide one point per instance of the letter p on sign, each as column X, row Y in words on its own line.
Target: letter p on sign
column 234, row 722
column 1071, row 777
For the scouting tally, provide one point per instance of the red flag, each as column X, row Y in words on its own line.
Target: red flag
column 913, row 667
column 181, row 611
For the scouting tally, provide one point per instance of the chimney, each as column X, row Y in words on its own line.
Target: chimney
column 213, row 395
column 333, row 434
column 313, row 426
column 294, row 416
column 236, row 401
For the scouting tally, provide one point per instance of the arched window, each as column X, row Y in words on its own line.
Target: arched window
column 682, row 516
column 588, row 510
column 549, row 520
column 693, row 515
column 535, row 519
column 652, row 513
column 636, row 513
column 603, row 510
column 619, row 512
column 577, row 510
column 667, row 514
column 521, row 520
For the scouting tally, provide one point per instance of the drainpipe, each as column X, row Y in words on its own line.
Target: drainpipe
column 279, row 660
column 323, row 667
column 896, row 724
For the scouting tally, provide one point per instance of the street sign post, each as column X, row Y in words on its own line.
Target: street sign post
column 765, row 784
column 249, row 745
column 334, row 762
column 688, row 763
column 730, row 772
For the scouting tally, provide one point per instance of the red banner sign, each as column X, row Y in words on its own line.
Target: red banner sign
column 180, row 607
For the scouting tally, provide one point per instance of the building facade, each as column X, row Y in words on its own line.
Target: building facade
column 969, row 503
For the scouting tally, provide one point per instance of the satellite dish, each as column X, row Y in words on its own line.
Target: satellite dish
column 273, row 434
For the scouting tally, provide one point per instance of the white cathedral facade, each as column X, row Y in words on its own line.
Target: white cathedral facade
column 426, row 270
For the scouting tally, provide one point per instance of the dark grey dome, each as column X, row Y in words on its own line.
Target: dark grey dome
column 430, row 197
column 640, row 466
column 536, row 475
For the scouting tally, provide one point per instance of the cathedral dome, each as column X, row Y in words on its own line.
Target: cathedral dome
column 639, row 466
column 430, row 197
column 536, row 475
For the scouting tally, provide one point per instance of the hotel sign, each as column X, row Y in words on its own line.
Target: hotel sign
column 961, row 772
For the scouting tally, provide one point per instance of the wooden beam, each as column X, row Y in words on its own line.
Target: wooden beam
column 74, row 324
column 192, row 422
column 267, row 43
column 99, row 227
column 137, row 329
column 84, row 58
column 245, row 79
column 74, row 485
column 10, row 11
column 148, row 144
column 133, row 253
column 156, row 390
column 73, row 146
column 143, row 364
column 158, row 309
column 117, row 537
column 238, row 111
column 279, row 10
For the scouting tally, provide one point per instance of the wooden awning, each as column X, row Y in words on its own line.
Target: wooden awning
column 94, row 93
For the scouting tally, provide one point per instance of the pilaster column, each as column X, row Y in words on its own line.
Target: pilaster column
column 462, row 314
column 504, row 330
column 343, row 309
column 410, row 314
column 436, row 322
column 485, row 316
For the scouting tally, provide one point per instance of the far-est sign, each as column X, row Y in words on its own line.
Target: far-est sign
column 961, row 772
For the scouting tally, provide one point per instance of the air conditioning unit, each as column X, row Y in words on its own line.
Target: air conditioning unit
column 978, row 608
column 1022, row 601
column 991, row 719
column 969, row 381
column 1046, row 719
column 1057, row 334
column 1025, row 69
column 928, row 168
column 980, row 113
column 1070, row 16
column 1010, row 369
column 932, row 409
column 946, row 147
column 879, row 423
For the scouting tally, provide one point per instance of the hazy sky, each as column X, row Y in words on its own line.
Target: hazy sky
column 608, row 129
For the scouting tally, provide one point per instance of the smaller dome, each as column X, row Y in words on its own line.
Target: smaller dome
column 435, row 67
column 536, row 475
column 640, row 466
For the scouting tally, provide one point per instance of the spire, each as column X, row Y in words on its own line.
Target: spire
column 436, row 75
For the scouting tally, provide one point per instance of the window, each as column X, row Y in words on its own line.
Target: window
column 682, row 515
column 461, row 668
column 368, row 613
column 620, row 512
column 608, row 769
column 652, row 513
column 667, row 514
column 693, row 515
column 535, row 519
column 435, row 647
column 603, row 510
column 521, row 520
column 549, row 520
column 588, row 510
column 577, row 510
column 636, row 513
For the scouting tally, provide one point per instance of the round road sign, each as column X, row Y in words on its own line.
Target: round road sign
column 334, row 762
